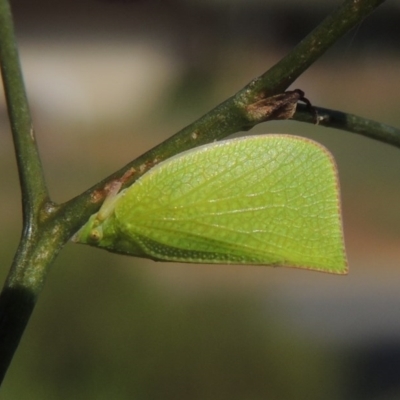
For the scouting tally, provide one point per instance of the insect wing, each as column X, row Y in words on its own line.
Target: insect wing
column 270, row 200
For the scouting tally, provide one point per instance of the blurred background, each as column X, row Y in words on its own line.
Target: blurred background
column 108, row 80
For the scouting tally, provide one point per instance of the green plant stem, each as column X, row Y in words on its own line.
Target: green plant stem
column 23, row 285
column 33, row 187
column 278, row 78
column 33, row 256
column 351, row 123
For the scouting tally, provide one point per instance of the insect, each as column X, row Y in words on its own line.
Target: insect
column 266, row 200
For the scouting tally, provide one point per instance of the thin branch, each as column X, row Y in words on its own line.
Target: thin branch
column 351, row 123
column 234, row 114
column 34, row 191
column 337, row 24
column 35, row 252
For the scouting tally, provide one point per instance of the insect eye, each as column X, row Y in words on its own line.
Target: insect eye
column 96, row 235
